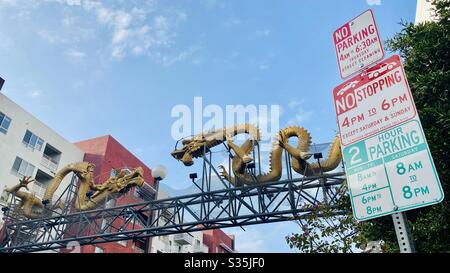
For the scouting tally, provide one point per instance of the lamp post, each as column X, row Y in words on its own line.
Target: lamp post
column 158, row 173
column 319, row 156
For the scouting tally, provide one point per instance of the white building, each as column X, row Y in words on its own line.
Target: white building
column 178, row 243
column 29, row 148
column 424, row 11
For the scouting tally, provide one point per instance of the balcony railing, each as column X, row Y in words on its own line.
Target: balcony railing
column 200, row 248
column 39, row 189
column 49, row 162
column 182, row 239
column 175, row 249
column 226, row 248
column 166, row 248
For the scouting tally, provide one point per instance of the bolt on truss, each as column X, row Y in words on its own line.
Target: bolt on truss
column 277, row 201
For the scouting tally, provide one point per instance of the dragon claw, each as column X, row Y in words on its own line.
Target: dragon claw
column 25, row 181
column 247, row 159
column 282, row 139
column 223, row 173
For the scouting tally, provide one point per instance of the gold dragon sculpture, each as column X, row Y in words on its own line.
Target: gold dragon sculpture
column 195, row 146
column 89, row 195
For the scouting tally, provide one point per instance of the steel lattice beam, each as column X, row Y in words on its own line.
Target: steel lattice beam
column 230, row 207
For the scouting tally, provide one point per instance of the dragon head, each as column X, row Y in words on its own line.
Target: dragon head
column 127, row 180
column 84, row 170
column 193, row 148
column 122, row 182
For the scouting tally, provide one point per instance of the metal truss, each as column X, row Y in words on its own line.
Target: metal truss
column 230, row 206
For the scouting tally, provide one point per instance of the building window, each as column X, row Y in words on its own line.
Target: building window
column 145, row 193
column 139, row 247
column 99, row 250
column 5, row 196
column 50, row 158
column 22, row 168
column 116, row 172
column 39, row 188
column 32, row 141
column 42, row 181
column 5, row 121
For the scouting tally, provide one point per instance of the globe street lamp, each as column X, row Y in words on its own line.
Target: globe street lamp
column 158, row 173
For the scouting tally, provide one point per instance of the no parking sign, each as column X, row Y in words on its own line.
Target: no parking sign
column 357, row 44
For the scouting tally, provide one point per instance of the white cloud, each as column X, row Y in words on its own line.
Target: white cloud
column 261, row 33
column 22, row 8
column 294, row 103
column 263, row 66
column 231, row 22
column 74, row 2
column 373, row 2
column 8, row 2
column 262, row 238
column 168, row 60
column 300, row 112
column 213, row 3
column 264, row 62
column 74, row 55
column 300, row 117
column 17, row 3
column 69, row 32
column 138, row 150
column 197, row 60
column 249, row 241
column 6, row 43
column 35, row 93
column 136, row 28
column 133, row 32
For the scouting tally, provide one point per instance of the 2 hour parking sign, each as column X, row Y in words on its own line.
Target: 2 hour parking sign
column 391, row 172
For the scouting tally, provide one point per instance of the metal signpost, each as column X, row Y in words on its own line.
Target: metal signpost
column 388, row 164
column 357, row 44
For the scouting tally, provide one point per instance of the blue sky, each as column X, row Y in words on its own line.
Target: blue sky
column 90, row 68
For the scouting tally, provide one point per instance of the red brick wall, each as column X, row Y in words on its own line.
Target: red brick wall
column 107, row 154
column 213, row 238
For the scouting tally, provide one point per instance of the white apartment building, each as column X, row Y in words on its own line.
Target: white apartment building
column 178, row 243
column 29, row 148
column 424, row 11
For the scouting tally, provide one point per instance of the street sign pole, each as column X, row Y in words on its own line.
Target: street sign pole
column 404, row 238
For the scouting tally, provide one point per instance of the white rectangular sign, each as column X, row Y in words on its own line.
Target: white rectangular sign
column 375, row 100
column 391, row 172
column 357, row 44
